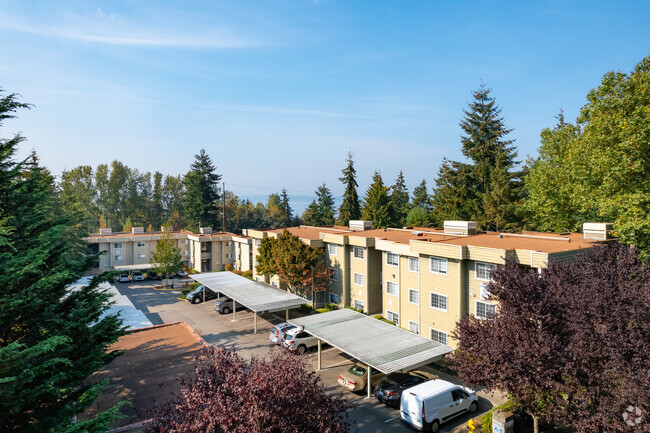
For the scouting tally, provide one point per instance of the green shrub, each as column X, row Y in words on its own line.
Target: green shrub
column 193, row 286
column 247, row 274
column 330, row 307
column 321, row 310
column 184, row 293
column 228, row 267
column 486, row 420
column 306, row 308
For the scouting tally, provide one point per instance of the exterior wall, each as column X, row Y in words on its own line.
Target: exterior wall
column 390, row 273
column 359, row 274
column 374, row 275
column 409, row 281
column 335, row 263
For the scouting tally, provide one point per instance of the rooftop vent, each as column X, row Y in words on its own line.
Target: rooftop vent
column 165, row 228
column 597, row 230
column 205, row 230
column 136, row 230
column 460, row 227
column 105, row 231
column 360, row 225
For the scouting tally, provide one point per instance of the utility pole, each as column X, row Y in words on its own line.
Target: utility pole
column 223, row 224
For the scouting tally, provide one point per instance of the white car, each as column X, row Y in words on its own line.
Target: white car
column 123, row 278
column 277, row 332
column 298, row 341
column 137, row 276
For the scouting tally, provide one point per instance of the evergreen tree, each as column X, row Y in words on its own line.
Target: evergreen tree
column 78, row 196
column 484, row 140
column 321, row 211
column 399, row 201
column 284, row 200
column 499, row 203
column 350, row 209
column 418, row 216
column 202, row 193
column 127, row 225
column 454, row 197
column 376, row 206
column 275, row 214
column 421, row 197
column 156, row 215
column 51, row 338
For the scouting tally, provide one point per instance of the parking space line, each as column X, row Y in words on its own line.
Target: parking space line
column 392, row 419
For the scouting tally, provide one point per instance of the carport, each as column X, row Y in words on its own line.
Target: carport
column 257, row 297
column 129, row 268
column 376, row 344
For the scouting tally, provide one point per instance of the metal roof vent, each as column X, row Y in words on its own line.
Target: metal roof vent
column 205, row 230
column 105, row 231
column 137, row 230
column 460, row 227
column 360, row 225
column 597, row 230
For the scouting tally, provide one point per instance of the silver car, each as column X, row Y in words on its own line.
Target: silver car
column 298, row 341
column 278, row 331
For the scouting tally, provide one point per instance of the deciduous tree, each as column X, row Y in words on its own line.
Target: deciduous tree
column 228, row 394
column 167, row 258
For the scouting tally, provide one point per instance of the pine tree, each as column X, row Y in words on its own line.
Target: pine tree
column 321, row 211
column 484, row 140
column 156, row 216
column 51, row 339
column 454, row 197
column 202, row 193
column 350, row 209
column 376, row 206
column 399, row 201
column 284, row 200
column 421, row 197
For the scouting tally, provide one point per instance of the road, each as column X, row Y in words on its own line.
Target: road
column 163, row 306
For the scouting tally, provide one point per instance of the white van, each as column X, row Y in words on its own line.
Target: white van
column 432, row 403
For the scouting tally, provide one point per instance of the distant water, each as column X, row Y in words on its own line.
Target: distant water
column 298, row 203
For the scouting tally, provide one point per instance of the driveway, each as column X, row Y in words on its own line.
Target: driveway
column 163, row 306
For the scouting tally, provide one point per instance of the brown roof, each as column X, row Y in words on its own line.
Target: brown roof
column 311, row 233
column 176, row 232
column 154, row 358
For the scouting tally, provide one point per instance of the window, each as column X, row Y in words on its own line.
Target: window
column 334, row 299
column 391, row 316
column 184, row 253
column 392, row 288
column 438, row 265
column 392, row 259
column 485, row 293
column 334, row 274
column 257, row 242
column 185, row 241
column 414, row 327
column 118, row 251
column 141, row 244
column 438, row 336
column 484, row 270
column 142, row 256
column 439, row 302
column 358, row 253
column 358, row 304
column 227, row 255
column 358, row 279
column 227, row 243
column 274, row 284
column 414, row 264
column 333, row 249
column 485, row 310
column 117, row 245
column 458, row 394
column 414, row 296
column 257, row 279
column 118, row 258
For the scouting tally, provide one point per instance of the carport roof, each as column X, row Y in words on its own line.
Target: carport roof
column 253, row 295
column 139, row 267
column 380, row 345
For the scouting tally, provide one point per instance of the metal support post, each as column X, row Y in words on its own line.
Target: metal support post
column 254, row 322
column 234, row 310
column 369, row 381
column 319, row 351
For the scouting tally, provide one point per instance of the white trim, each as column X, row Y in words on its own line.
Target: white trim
column 393, row 317
column 443, row 260
column 417, row 261
column 439, row 331
column 491, row 265
column 354, row 279
column 389, row 263
column 416, row 291
column 476, row 302
column 137, row 244
column 333, row 249
column 392, row 294
column 417, row 326
column 437, row 308
column 354, row 252
column 363, row 305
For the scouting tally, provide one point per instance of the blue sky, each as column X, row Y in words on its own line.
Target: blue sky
column 277, row 92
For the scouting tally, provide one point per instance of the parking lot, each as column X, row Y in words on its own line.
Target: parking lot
column 163, row 306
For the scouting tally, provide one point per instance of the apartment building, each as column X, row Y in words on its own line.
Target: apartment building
column 425, row 279
column 205, row 251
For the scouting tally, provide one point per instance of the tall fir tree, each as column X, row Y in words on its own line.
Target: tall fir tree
column 286, row 207
column 421, row 197
column 321, row 211
column 454, row 197
column 202, row 193
column 376, row 206
column 399, row 201
column 156, row 218
column 51, row 338
column 350, row 209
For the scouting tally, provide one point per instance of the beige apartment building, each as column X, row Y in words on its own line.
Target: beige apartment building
column 205, row 251
column 425, row 279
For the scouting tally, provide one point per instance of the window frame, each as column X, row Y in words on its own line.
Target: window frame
column 358, row 302
column 118, row 258
column 142, row 256
column 417, row 327
column 440, row 333
column 397, row 288
column 491, row 267
column 431, row 295
column 392, row 319
column 418, row 296
column 354, row 252
column 441, row 260
column 476, row 302
column 354, row 279
column 332, row 301
column 389, row 256
column 334, row 274
column 118, row 245
column 415, row 260
column 332, row 249
column 140, row 244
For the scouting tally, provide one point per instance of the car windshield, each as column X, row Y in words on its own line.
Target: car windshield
column 289, row 337
column 357, row 370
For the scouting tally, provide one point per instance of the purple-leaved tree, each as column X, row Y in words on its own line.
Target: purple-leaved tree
column 228, row 394
column 571, row 344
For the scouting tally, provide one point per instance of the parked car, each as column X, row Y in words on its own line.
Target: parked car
column 389, row 390
column 223, row 305
column 278, row 331
column 196, row 295
column 137, row 276
column 151, row 275
column 356, row 378
column 432, row 403
column 123, row 278
column 298, row 341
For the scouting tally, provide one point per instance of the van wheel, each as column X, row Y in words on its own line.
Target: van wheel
column 226, row 310
column 196, row 300
column 473, row 407
column 432, row 426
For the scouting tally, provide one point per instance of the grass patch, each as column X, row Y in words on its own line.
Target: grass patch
column 184, row 293
column 509, row 406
